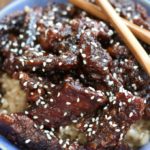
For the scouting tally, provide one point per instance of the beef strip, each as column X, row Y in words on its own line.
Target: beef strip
column 95, row 58
column 21, row 130
column 110, row 126
column 69, row 103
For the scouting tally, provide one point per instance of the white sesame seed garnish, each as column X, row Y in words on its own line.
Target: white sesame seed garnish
column 131, row 114
column 68, row 103
column 60, row 141
column 44, row 64
column 21, row 76
column 81, row 114
column 27, row 141
column 65, row 113
column 92, row 97
column 99, row 100
column 41, row 127
column 86, row 91
column 35, row 117
column 48, row 137
column 25, row 83
column 129, row 100
column 86, row 125
column 51, row 100
column 26, row 112
column 58, row 94
column 117, row 130
column 48, row 60
column 60, row 63
column 84, row 62
column 89, row 129
column 46, row 120
column 83, row 55
column 74, row 121
column 78, row 100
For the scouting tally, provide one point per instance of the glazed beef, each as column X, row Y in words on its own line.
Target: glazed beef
column 21, row 130
column 75, row 71
column 110, row 126
column 69, row 103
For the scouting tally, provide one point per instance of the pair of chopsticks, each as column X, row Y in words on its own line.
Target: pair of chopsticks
column 123, row 28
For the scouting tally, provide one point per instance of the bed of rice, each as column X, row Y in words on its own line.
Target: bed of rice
column 14, row 100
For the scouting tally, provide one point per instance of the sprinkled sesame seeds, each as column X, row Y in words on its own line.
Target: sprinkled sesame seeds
column 27, row 141
column 47, row 121
column 65, row 113
column 60, row 141
column 78, row 100
column 41, row 127
column 117, row 130
column 51, row 100
column 131, row 114
column 60, row 63
column 99, row 100
column 84, row 62
column 68, row 103
column 35, row 117
column 92, row 97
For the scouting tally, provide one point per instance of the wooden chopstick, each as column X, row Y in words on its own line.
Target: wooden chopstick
column 140, row 33
column 127, row 36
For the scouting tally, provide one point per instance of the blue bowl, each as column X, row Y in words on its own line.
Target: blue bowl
column 19, row 5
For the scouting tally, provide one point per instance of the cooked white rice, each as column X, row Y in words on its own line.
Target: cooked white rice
column 14, row 99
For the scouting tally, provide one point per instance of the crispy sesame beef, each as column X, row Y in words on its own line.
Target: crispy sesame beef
column 70, row 102
column 22, row 131
column 109, row 128
column 83, row 86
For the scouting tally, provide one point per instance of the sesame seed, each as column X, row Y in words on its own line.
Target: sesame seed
column 41, row 127
column 48, row 137
column 46, row 120
column 20, row 76
column 81, row 114
column 92, row 97
column 78, row 100
column 27, row 141
column 68, row 103
column 86, row 91
column 129, row 100
column 89, row 129
column 44, row 64
column 117, row 130
column 60, row 141
column 25, row 83
column 84, row 62
column 58, row 94
column 99, row 100
column 26, row 112
column 83, row 55
column 74, row 121
column 65, row 113
column 48, row 60
column 86, row 125
column 35, row 117
column 131, row 114
column 60, row 63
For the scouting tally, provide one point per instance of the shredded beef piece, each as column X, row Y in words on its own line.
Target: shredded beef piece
column 71, row 102
column 21, row 130
column 110, row 126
